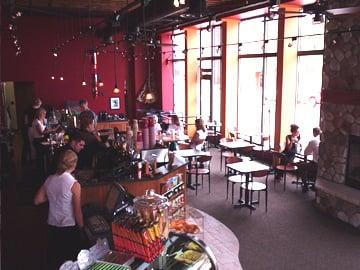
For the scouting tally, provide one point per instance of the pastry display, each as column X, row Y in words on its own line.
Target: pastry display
column 184, row 226
column 188, row 256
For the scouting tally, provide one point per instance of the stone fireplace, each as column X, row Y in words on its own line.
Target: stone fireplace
column 340, row 117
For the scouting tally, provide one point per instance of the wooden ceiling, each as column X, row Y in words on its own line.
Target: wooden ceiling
column 93, row 7
column 73, row 7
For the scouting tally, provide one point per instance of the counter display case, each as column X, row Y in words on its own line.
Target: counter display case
column 181, row 252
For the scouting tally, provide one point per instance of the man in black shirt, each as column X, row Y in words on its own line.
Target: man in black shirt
column 76, row 144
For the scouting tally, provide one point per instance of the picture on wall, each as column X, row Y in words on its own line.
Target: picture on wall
column 114, row 103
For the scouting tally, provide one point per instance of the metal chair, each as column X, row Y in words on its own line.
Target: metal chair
column 225, row 154
column 200, row 167
column 257, row 186
column 233, row 178
column 282, row 166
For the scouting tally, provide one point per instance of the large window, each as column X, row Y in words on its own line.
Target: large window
column 257, row 79
column 179, row 72
column 309, row 76
column 208, row 94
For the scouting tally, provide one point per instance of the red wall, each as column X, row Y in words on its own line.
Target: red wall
column 167, row 74
column 37, row 35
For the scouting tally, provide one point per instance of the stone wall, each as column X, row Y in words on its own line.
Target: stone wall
column 340, row 115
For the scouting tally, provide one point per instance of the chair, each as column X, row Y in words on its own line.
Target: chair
column 257, row 186
column 183, row 146
column 247, row 152
column 282, row 166
column 225, row 154
column 200, row 167
column 233, row 178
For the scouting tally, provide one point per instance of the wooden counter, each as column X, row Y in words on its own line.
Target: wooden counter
column 121, row 125
column 97, row 193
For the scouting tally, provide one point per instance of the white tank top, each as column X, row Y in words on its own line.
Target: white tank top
column 35, row 132
column 58, row 192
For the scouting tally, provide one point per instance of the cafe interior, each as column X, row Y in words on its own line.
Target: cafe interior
column 180, row 134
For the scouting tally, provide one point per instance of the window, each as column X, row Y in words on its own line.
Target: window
column 209, row 91
column 257, row 79
column 179, row 72
column 309, row 76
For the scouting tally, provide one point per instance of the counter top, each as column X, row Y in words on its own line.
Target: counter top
column 160, row 173
column 118, row 120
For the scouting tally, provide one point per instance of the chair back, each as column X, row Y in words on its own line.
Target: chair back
column 230, row 160
column 259, row 174
column 203, row 159
column 183, row 146
column 278, row 158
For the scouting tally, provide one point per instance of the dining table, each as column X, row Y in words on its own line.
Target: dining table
column 247, row 168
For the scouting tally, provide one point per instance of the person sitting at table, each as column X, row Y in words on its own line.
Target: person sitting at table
column 175, row 126
column 292, row 144
column 311, row 167
column 65, row 218
column 38, row 131
column 157, row 126
column 92, row 140
column 198, row 140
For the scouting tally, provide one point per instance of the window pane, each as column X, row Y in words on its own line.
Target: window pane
column 307, row 111
column 269, row 98
column 250, row 97
column 205, row 43
column 178, row 40
column 271, row 34
column 217, row 41
column 179, row 87
column 216, row 91
column 311, row 35
column 251, row 35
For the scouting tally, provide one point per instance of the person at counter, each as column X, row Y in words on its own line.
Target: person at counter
column 84, row 108
column 93, row 143
column 38, row 132
column 198, row 140
column 65, row 218
column 76, row 144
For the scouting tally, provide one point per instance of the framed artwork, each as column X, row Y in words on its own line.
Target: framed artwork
column 114, row 103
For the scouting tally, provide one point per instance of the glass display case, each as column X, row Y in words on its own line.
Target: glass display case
column 181, row 252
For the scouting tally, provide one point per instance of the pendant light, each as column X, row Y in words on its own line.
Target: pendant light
column 116, row 89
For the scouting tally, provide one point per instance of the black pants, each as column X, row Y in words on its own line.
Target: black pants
column 63, row 245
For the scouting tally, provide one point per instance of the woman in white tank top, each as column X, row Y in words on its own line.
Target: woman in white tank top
column 198, row 141
column 65, row 219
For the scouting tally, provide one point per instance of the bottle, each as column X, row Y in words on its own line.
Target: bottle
column 139, row 141
column 145, row 132
column 152, row 132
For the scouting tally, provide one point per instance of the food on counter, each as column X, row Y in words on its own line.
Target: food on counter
column 193, row 246
column 184, row 226
column 188, row 256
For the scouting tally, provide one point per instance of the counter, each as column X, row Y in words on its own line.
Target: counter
column 168, row 182
column 121, row 125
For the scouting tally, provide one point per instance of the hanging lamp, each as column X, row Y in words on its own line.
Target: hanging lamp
column 116, row 90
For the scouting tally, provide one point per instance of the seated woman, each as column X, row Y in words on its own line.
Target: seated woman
column 176, row 125
column 65, row 219
column 197, row 142
column 292, row 145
